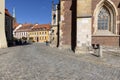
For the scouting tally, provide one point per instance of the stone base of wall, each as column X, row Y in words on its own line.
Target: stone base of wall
column 81, row 50
column 3, row 45
column 65, row 47
column 106, row 40
column 53, row 45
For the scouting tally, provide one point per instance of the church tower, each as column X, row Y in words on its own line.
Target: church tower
column 14, row 18
column 54, row 24
column 14, row 13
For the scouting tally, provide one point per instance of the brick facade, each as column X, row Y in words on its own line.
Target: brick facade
column 65, row 38
column 107, row 40
column 68, row 23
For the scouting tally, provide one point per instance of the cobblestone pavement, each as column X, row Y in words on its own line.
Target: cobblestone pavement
column 40, row 62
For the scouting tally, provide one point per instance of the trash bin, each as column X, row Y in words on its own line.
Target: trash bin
column 96, row 46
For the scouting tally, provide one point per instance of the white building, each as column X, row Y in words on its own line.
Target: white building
column 22, row 31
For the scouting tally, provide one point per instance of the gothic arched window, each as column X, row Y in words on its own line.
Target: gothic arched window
column 54, row 18
column 103, row 19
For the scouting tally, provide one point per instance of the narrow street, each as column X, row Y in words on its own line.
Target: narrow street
column 41, row 62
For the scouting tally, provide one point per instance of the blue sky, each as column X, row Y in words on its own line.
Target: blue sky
column 31, row 11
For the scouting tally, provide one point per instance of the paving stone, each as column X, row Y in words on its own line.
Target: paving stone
column 40, row 62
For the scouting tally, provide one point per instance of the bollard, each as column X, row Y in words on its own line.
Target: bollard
column 100, row 52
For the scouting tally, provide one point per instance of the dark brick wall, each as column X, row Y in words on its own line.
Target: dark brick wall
column 106, row 40
column 66, row 24
column 95, row 2
column 69, row 23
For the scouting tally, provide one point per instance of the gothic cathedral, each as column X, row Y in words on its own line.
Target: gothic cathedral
column 82, row 23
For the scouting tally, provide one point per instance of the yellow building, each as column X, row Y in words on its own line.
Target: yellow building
column 39, row 33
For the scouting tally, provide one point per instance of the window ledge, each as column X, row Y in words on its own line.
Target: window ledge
column 104, row 33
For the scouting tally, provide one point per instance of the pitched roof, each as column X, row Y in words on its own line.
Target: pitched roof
column 25, row 27
column 41, row 27
column 15, row 25
column 7, row 12
column 36, row 27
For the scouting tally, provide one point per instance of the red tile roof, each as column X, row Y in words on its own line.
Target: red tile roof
column 35, row 27
column 25, row 27
column 15, row 25
column 41, row 27
column 7, row 12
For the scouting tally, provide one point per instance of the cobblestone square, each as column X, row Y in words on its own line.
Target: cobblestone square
column 41, row 62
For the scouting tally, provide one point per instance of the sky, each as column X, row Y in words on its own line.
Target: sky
column 31, row 11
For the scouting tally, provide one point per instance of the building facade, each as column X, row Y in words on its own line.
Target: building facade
column 35, row 33
column 40, row 33
column 3, row 42
column 86, row 22
column 54, row 24
column 22, row 31
column 9, row 27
